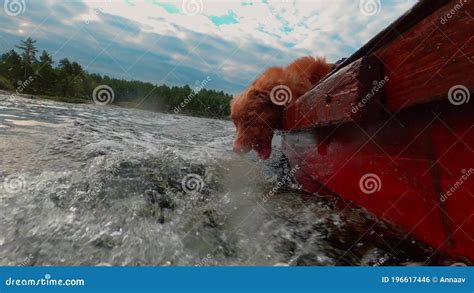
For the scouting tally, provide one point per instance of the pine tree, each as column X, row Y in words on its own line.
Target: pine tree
column 65, row 76
column 11, row 67
column 46, row 59
column 28, row 55
column 69, row 80
column 46, row 82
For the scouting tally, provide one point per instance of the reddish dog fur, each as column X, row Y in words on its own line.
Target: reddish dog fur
column 254, row 112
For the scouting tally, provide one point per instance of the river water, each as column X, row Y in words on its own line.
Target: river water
column 103, row 185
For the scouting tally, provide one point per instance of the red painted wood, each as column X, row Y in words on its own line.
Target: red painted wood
column 417, row 158
column 339, row 99
column 434, row 55
column 453, row 145
column 420, row 66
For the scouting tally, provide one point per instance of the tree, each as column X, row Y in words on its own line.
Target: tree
column 11, row 67
column 45, row 59
column 72, row 79
column 69, row 80
column 46, row 81
column 28, row 55
column 65, row 76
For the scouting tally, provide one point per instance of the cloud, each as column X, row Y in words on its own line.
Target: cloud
column 178, row 42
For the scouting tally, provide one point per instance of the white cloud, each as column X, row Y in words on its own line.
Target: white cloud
column 314, row 23
column 264, row 35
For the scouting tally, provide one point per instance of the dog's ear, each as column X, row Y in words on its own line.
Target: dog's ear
column 260, row 96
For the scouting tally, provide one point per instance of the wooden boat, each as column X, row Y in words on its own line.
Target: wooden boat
column 391, row 128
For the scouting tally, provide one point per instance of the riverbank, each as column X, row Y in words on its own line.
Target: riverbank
column 122, row 104
column 45, row 97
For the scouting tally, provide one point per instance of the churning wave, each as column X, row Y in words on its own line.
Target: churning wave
column 89, row 185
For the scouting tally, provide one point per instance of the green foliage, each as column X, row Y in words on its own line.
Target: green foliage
column 65, row 99
column 69, row 82
column 28, row 56
column 5, row 84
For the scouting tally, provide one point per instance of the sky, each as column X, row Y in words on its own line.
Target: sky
column 185, row 42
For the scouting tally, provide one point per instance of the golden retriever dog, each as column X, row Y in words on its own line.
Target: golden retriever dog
column 258, row 111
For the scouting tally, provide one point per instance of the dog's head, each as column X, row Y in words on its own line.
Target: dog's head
column 256, row 117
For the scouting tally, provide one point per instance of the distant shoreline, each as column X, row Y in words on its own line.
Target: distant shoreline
column 26, row 96
column 45, row 97
column 126, row 105
column 30, row 76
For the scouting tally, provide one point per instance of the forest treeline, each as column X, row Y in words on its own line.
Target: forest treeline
column 24, row 70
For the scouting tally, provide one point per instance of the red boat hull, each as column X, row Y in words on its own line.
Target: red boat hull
column 414, row 169
column 391, row 128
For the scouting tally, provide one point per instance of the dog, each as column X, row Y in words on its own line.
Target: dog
column 258, row 111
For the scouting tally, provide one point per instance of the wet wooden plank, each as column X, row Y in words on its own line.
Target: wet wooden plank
column 351, row 94
column 435, row 55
